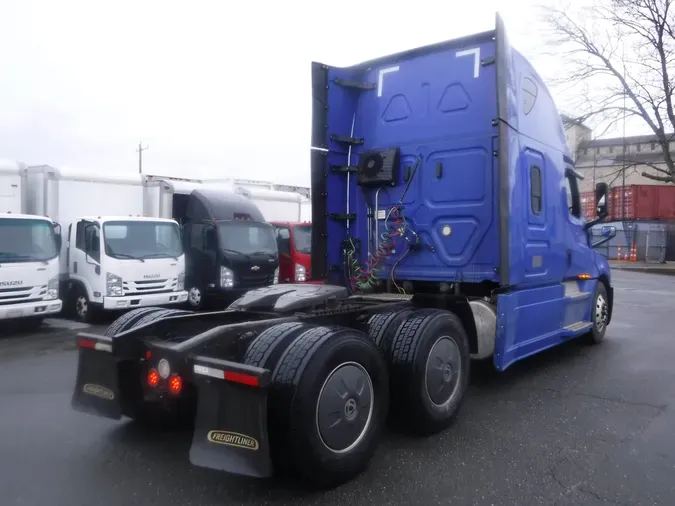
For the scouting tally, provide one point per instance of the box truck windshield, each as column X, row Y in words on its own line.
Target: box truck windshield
column 302, row 239
column 142, row 239
column 247, row 238
column 27, row 240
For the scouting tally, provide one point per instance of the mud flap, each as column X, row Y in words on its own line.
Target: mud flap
column 231, row 424
column 97, row 385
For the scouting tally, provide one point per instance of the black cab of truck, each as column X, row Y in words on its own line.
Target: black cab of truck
column 229, row 246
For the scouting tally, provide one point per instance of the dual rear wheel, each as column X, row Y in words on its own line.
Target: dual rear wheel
column 333, row 387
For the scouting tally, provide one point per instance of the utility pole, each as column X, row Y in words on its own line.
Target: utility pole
column 140, row 156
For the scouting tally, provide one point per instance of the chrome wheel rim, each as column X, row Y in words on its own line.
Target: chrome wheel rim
column 195, row 296
column 601, row 313
column 81, row 306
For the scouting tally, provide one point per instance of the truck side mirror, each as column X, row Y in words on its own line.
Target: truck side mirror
column 608, row 232
column 600, row 205
column 601, row 200
column 89, row 246
column 57, row 236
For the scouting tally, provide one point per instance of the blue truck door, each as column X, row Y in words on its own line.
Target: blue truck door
column 580, row 269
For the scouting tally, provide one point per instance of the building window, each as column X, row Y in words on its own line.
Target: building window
column 611, row 149
column 535, row 190
column 653, row 146
column 639, row 147
column 585, row 151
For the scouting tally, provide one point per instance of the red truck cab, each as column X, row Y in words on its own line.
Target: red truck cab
column 294, row 241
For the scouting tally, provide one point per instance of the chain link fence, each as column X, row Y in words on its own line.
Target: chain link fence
column 647, row 242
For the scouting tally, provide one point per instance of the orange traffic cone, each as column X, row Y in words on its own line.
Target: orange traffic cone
column 633, row 253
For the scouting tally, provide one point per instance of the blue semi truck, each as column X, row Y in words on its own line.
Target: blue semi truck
column 447, row 227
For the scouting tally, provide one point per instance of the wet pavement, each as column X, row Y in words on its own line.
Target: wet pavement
column 575, row 425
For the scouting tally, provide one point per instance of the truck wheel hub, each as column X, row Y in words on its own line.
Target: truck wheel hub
column 600, row 313
column 345, row 407
column 443, row 369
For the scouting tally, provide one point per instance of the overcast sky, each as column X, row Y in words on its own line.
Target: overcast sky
column 215, row 88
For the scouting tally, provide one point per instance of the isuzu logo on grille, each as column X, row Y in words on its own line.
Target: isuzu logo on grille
column 11, row 283
column 151, row 276
column 255, row 268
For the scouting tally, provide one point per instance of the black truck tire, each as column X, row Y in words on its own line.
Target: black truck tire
column 180, row 412
column 127, row 320
column 429, row 370
column 266, row 349
column 158, row 315
column 599, row 315
column 383, row 326
column 326, row 374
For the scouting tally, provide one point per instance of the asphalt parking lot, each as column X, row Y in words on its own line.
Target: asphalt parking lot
column 576, row 425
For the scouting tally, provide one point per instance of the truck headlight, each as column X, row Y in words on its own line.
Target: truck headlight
column 226, row 278
column 52, row 289
column 276, row 275
column 180, row 281
column 114, row 286
column 300, row 273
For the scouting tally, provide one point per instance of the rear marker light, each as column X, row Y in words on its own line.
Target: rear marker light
column 153, row 378
column 244, row 379
column 175, row 384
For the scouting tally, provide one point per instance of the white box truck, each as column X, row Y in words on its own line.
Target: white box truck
column 113, row 258
column 29, row 254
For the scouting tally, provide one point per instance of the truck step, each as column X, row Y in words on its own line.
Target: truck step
column 578, row 327
column 577, row 295
column 384, row 297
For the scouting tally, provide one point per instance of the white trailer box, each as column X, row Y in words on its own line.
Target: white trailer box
column 29, row 251
column 114, row 257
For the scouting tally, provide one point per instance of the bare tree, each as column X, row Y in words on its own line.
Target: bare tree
column 621, row 56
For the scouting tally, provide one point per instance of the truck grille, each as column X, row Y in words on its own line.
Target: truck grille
column 22, row 295
column 255, row 281
column 153, row 286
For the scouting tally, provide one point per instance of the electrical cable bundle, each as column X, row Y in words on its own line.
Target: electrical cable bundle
column 364, row 277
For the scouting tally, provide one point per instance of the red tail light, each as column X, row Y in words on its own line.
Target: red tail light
column 175, row 384
column 153, row 378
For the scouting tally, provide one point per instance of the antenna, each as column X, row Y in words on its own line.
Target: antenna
column 623, row 160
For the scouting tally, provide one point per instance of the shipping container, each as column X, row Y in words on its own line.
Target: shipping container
column 642, row 202
column 634, row 202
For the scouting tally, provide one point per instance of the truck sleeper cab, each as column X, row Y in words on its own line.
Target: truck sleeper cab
column 29, row 268
column 230, row 247
column 446, row 225
column 294, row 241
column 119, row 263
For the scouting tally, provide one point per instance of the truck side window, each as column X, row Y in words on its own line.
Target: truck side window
column 284, row 240
column 572, row 193
column 92, row 242
column 535, row 189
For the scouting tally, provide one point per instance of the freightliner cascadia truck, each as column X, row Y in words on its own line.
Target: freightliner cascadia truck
column 446, row 227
